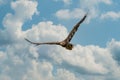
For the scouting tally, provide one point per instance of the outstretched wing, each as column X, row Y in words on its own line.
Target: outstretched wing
column 50, row 43
column 75, row 28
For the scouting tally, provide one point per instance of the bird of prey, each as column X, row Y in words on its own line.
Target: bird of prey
column 65, row 43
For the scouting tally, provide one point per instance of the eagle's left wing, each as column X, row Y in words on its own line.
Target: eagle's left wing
column 36, row 43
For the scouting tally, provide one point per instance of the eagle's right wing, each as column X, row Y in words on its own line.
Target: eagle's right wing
column 49, row 43
column 75, row 28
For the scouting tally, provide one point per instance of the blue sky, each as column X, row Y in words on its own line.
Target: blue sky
column 96, row 32
column 96, row 54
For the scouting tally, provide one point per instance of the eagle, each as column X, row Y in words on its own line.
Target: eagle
column 66, row 42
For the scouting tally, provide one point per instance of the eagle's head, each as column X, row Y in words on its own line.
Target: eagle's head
column 69, row 46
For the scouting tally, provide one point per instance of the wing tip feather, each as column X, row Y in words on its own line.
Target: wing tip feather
column 28, row 40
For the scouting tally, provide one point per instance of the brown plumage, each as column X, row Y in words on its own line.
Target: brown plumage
column 65, row 43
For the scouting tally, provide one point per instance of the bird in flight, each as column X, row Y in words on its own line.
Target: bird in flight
column 65, row 43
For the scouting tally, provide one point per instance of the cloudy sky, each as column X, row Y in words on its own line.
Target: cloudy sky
column 95, row 56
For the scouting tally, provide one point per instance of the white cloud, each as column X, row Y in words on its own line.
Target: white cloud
column 43, row 29
column 86, row 59
column 23, row 61
column 93, row 7
column 39, row 71
column 87, row 5
column 107, row 1
column 93, row 4
column 113, row 47
column 111, row 15
column 4, row 77
column 28, row 8
column 2, row 56
column 63, row 74
column 23, row 10
column 67, row 14
column 65, row 1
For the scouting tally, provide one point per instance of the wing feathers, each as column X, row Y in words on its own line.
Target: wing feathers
column 51, row 43
column 75, row 28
